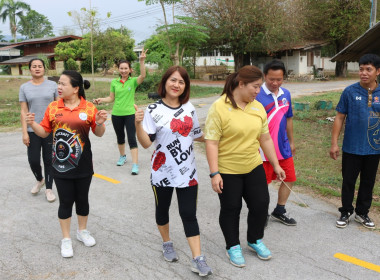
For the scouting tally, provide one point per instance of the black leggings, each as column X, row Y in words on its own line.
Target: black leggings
column 119, row 122
column 70, row 191
column 187, row 206
column 34, row 157
column 253, row 188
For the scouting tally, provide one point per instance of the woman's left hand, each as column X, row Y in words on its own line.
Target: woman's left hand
column 143, row 55
column 101, row 116
column 280, row 173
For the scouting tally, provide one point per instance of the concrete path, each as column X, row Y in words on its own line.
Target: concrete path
column 128, row 243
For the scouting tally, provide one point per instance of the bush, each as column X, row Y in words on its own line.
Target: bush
column 150, row 83
column 85, row 66
column 70, row 64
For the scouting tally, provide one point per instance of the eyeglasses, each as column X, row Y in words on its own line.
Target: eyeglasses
column 369, row 97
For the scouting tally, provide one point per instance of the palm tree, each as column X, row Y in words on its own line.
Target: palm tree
column 10, row 9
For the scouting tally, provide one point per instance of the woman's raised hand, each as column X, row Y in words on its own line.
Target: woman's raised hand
column 139, row 115
column 143, row 55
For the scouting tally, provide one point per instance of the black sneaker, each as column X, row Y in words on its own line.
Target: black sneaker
column 343, row 221
column 284, row 218
column 365, row 221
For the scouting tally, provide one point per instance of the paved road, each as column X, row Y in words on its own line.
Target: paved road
column 128, row 243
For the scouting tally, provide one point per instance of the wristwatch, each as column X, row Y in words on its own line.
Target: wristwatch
column 213, row 174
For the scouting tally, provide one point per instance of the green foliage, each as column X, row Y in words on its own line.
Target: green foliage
column 85, row 66
column 45, row 59
column 11, row 10
column 150, row 83
column 75, row 49
column 70, row 64
column 158, row 51
column 35, row 25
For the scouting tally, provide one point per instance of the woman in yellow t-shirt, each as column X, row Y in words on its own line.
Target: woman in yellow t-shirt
column 122, row 93
column 236, row 126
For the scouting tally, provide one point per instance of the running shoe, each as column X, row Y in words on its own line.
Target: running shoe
column 122, row 160
column 236, row 256
column 344, row 220
column 37, row 187
column 199, row 265
column 135, row 169
column 66, row 248
column 365, row 221
column 284, row 218
column 168, row 250
column 50, row 195
column 85, row 236
column 260, row 249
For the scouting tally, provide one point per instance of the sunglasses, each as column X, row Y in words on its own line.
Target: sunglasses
column 369, row 97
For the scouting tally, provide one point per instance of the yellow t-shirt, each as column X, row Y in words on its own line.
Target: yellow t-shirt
column 238, row 132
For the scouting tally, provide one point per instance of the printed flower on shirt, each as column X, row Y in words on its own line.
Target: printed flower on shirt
column 182, row 127
column 159, row 160
column 193, row 182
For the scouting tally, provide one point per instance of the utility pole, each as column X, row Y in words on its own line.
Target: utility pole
column 373, row 13
column 92, row 49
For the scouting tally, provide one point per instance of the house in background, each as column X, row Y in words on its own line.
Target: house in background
column 8, row 53
column 32, row 49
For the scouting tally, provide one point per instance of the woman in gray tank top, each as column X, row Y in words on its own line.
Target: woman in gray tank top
column 34, row 96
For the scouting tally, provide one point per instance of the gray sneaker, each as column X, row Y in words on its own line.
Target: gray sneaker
column 200, row 266
column 168, row 250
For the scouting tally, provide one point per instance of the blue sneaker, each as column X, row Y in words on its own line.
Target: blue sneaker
column 135, row 169
column 236, row 256
column 261, row 250
column 122, row 160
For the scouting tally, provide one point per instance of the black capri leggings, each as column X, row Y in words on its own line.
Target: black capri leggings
column 70, row 191
column 253, row 188
column 119, row 122
column 187, row 206
column 34, row 157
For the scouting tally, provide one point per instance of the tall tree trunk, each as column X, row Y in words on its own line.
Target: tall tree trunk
column 341, row 69
column 166, row 27
column 241, row 59
column 176, row 55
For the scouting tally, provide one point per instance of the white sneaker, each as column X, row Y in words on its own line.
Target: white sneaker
column 85, row 237
column 38, row 186
column 66, row 248
column 50, row 195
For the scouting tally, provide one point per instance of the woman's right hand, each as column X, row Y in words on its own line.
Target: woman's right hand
column 139, row 115
column 97, row 101
column 217, row 183
column 25, row 139
column 29, row 118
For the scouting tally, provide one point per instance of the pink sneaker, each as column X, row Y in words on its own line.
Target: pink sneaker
column 38, row 186
column 50, row 195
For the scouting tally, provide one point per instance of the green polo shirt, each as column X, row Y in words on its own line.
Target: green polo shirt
column 124, row 96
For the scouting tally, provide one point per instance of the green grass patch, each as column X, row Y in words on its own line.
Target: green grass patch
column 312, row 136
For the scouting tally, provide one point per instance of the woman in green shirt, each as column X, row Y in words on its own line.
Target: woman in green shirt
column 122, row 92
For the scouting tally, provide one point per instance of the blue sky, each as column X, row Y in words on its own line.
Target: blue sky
column 136, row 16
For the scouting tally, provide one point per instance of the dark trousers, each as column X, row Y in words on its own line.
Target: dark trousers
column 187, row 206
column 127, row 122
column 34, row 157
column 70, row 191
column 253, row 188
column 352, row 166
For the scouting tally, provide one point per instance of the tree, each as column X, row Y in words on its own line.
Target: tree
column 35, row 25
column 162, row 3
column 158, row 50
column 1, row 36
column 338, row 21
column 11, row 10
column 245, row 26
column 185, row 34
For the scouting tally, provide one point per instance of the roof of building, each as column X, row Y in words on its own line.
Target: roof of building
column 367, row 43
column 26, row 59
column 40, row 41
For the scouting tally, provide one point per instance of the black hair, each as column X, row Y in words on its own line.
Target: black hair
column 275, row 64
column 246, row 74
column 33, row 59
column 76, row 80
column 124, row 61
column 370, row 58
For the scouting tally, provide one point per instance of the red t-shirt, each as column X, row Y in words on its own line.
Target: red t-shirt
column 72, row 156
